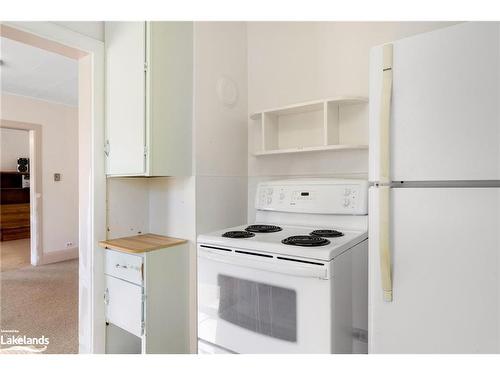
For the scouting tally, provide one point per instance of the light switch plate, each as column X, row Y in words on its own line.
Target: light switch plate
column 57, row 177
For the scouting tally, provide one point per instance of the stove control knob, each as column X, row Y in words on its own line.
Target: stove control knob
column 347, row 202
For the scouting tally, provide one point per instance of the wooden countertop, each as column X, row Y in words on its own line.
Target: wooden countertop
column 141, row 243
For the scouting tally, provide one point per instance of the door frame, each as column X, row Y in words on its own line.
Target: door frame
column 92, row 179
column 36, row 206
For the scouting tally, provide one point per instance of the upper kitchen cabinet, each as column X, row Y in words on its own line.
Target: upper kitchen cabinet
column 149, row 91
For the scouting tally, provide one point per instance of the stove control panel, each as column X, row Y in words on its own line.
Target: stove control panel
column 321, row 196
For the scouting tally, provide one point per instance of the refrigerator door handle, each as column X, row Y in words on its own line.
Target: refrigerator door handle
column 385, row 180
column 384, row 242
column 385, row 114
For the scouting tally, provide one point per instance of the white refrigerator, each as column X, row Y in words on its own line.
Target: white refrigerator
column 434, row 212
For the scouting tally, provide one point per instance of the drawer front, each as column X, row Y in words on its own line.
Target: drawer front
column 123, row 305
column 124, row 266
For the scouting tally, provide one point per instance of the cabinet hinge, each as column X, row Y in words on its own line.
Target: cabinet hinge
column 143, row 324
column 146, row 66
column 106, row 148
column 106, row 296
column 145, row 151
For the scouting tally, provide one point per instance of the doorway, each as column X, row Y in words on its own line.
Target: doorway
column 90, row 195
column 21, row 185
column 14, row 198
column 41, row 299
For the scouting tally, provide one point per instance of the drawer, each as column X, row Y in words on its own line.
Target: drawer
column 124, row 266
column 123, row 305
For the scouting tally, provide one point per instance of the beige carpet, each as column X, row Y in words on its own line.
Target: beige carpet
column 41, row 300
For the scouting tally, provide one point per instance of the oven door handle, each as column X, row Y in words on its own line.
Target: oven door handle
column 274, row 265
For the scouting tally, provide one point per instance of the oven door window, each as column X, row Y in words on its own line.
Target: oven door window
column 262, row 308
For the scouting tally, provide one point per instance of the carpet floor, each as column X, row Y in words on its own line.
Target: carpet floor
column 41, row 301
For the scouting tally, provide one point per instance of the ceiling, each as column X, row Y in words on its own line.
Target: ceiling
column 36, row 73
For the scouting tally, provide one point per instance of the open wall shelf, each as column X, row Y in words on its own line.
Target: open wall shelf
column 307, row 127
column 312, row 149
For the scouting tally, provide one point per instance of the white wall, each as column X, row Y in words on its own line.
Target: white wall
column 161, row 205
column 127, row 206
column 290, row 62
column 14, row 144
column 220, row 130
column 93, row 29
column 59, row 155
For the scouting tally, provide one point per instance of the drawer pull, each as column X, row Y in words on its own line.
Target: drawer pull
column 124, row 266
column 128, row 267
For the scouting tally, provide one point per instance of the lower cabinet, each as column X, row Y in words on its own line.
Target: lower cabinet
column 124, row 305
column 146, row 301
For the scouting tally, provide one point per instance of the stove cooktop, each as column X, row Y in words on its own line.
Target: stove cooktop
column 274, row 242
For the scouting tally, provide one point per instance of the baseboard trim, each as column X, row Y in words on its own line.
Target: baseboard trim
column 59, row 256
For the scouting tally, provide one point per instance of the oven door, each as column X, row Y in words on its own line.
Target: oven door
column 251, row 302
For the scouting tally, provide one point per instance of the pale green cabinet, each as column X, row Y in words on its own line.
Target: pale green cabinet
column 149, row 98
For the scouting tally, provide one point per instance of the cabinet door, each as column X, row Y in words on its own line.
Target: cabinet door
column 169, row 83
column 124, row 305
column 125, row 97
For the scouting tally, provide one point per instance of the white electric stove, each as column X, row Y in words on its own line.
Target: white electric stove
column 295, row 281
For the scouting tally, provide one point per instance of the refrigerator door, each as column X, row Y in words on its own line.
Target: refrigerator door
column 445, row 122
column 445, row 259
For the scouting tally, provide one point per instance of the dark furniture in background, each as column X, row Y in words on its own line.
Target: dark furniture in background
column 14, row 207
